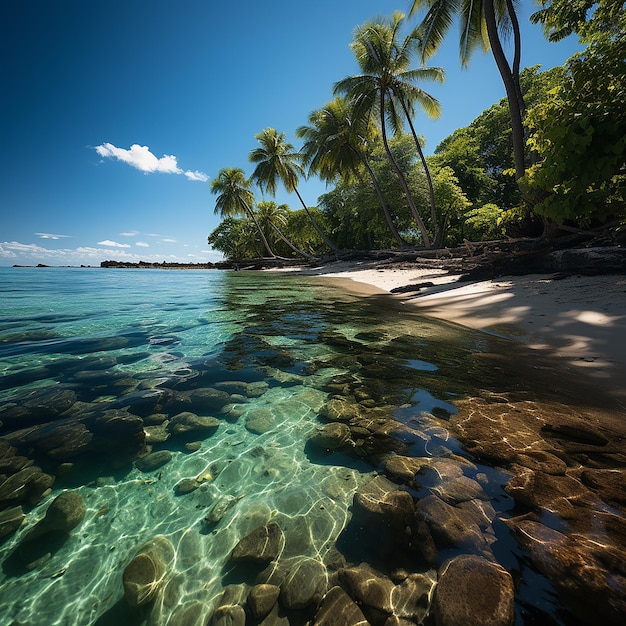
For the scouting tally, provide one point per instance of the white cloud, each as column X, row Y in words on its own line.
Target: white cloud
column 51, row 236
column 130, row 233
column 142, row 244
column 200, row 176
column 113, row 244
column 167, row 240
column 142, row 159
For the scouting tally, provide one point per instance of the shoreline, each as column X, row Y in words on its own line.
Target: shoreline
column 579, row 320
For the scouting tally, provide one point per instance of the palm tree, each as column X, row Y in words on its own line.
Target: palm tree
column 336, row 145
column 387, row 86
column 236, row 198
column 480, row 22
column 274, row 217
column 277, row 161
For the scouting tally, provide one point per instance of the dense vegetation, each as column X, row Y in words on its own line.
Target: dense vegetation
column 551, row 156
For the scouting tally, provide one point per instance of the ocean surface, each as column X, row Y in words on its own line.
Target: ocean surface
column 273, row 348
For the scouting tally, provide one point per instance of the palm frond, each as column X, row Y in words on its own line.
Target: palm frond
column 435, row 26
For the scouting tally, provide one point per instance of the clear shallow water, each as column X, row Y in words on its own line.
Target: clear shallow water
column 107, row 335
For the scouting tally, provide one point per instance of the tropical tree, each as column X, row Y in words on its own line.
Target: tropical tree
column 387, row 86
column 353, row 210
column 481, row 23
column 336, row 145
column 277, row 161
column 579, row 129
column 235, row 197
column 236, row 238
column 273, row 218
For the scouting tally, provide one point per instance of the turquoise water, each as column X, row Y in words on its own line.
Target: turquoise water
column 279, row 346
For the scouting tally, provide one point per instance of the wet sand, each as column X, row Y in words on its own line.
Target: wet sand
column 580, row 320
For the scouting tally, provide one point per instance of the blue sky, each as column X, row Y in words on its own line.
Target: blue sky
column 116, row 115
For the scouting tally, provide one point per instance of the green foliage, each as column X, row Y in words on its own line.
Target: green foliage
column 302, row 232
column 484, row 223
column 481, row 154
column 235, row 238
column 586, row 18
column 579, row 133
column 353, row 208
column 451, row 200
column 234, row 195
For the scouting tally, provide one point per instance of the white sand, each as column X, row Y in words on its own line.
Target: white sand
column 581, row 319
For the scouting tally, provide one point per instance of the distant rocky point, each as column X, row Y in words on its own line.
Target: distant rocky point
column 163, row 265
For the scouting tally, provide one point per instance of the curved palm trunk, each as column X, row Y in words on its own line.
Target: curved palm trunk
column 517, row 58
column 263, row 237
column 401, row 178
column 383, row 203
column 320, row 232
column 294, row 248
column 510, row 87
column 431, row 189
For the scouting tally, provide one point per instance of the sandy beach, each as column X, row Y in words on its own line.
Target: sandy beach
column 579, row 319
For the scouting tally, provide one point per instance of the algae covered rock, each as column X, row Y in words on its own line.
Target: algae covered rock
column 331, row 436
column 336, row 410
column 188, row 422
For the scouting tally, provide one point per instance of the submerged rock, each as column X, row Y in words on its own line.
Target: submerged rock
column 188, row 422
column 383, row 505
column 336, row 410
column 410, row 599
column 331, row 436
column 157, row 433
column 262, row 599
column 28, row 486
column 305, row 584
column 591, row 573
column 261, row 420
column 473, row 590
column 219, row 509
column 65, row 512
column 37, row 406
column 368, row 588
column 147, row 572
column 186, row 485
column 229, row 615
column 262, row 545
column 338, row 609
column 153, row 460
column 10, row 520
column 449, row 525
column 256, row 389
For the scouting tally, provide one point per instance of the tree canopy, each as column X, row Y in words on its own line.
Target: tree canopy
column 383, row 192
